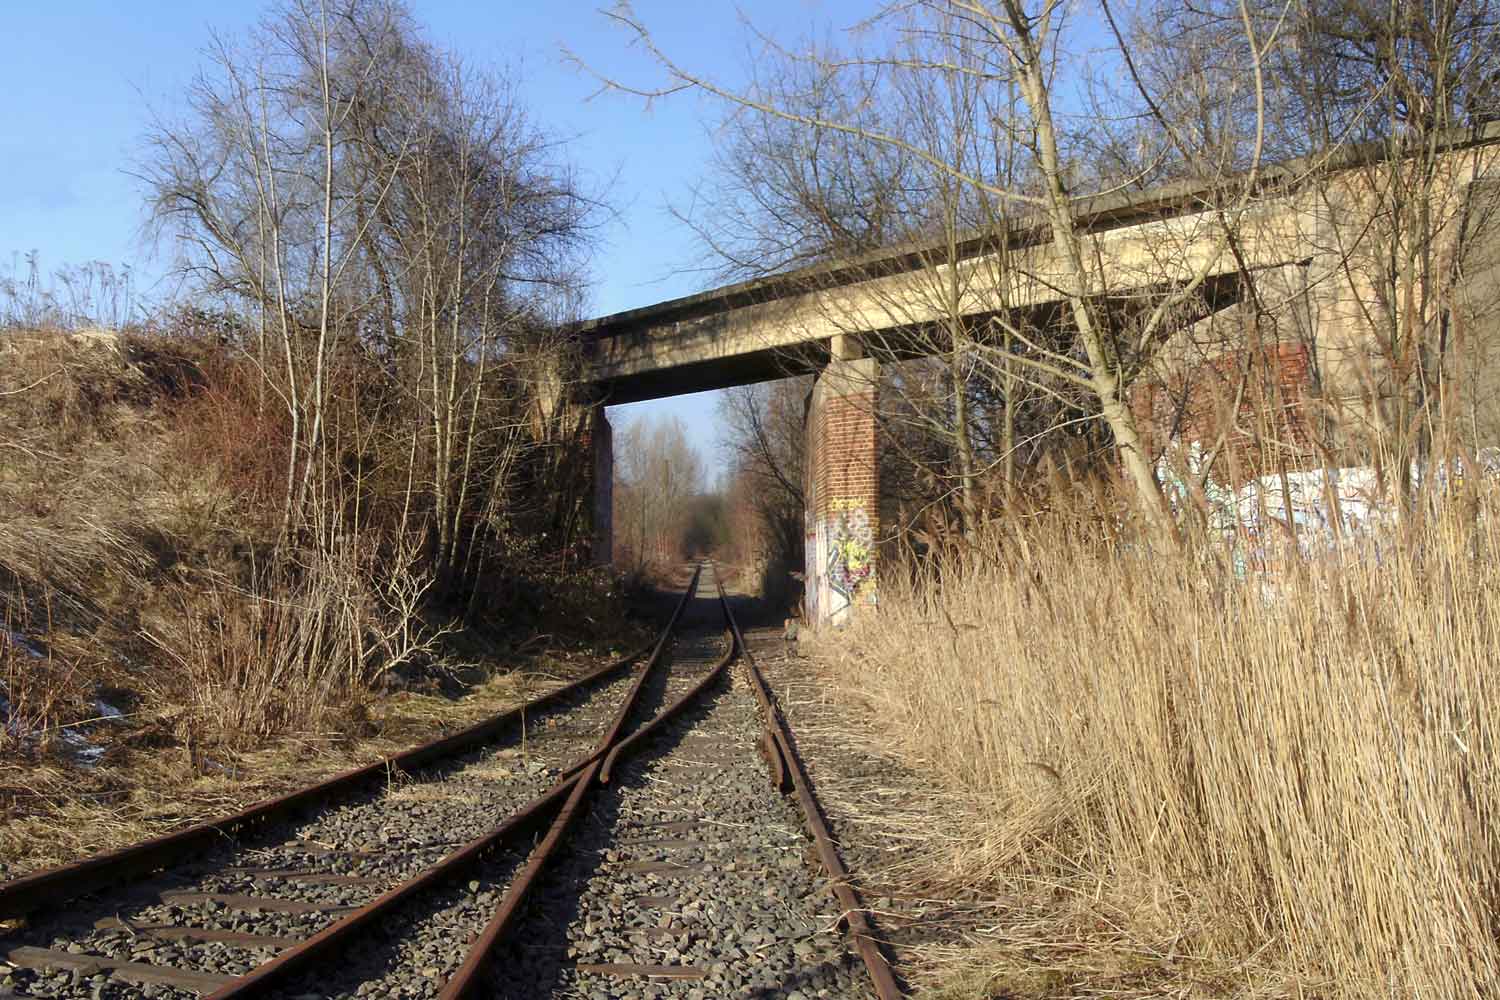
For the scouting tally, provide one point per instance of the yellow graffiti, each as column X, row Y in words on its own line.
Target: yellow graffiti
column 856, row 557
column 851, row 551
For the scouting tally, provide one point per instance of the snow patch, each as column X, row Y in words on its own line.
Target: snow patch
column 84, row 751
column 18, row 641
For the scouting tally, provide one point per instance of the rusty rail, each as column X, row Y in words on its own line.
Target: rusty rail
column 556, row 810
column 52, row 886
column 787, row 767
column 271, row 975
column 467, row 981
column 560, row 798
column 714, row 675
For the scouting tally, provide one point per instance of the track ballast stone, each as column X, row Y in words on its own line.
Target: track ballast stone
column 390, row 834
column 691, row 865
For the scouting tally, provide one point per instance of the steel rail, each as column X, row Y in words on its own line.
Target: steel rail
column 29, row 893
column 628, row 705
column 715, row 673
column 532, row 817
column 780, row 743
column 466, row 983
column 308, row 954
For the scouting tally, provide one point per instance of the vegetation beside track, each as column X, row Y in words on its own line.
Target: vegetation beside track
column 148, row 782
column 244, row 529
column 1156, row 778
column 133, row 545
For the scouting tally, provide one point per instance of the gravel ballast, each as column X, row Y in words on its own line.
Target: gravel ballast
column 690, row 865
column 687, row 876
column 387, row 835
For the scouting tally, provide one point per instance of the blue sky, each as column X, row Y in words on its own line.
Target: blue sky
column 78, row 81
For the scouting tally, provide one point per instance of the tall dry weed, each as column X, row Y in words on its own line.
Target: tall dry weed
column 1291, row 780
column 39, row 687
column 293, row 654
column 236, row 428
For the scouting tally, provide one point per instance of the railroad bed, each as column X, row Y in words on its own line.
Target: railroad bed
column 619, row 838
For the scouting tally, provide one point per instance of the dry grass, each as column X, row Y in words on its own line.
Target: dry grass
column 96, row 519
column 137, row 549
column 140, row 566
column 52, row 812
column 305, row 646
column 1181, row 783
column 428, row 793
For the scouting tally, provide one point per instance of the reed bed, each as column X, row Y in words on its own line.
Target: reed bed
column 1274, row 782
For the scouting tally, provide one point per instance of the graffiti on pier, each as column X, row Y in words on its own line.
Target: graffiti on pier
column 851, row 550
column 810, row 564
column 840, row 561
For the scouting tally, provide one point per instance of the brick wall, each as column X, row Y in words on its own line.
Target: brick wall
column 844, row 459
column 1270, row 426
column 842, row 485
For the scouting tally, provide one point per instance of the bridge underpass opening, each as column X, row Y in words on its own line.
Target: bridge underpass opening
column 840, row 484
column 841, row 487
column 666, row 452
column 842, row 321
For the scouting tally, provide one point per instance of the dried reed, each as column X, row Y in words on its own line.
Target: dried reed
column 1290, row 779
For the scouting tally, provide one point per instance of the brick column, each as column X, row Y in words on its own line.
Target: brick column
column 842, row 487
column 602, row 440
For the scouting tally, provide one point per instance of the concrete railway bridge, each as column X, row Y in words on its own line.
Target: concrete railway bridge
column 1299, row 244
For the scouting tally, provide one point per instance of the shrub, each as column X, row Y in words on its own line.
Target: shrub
column 311, row 639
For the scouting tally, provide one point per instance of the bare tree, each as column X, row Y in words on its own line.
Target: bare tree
column 1003, row 58
column 781, row 194
column 406, row 243
column 765, row 442
column 1386, row 106
column 798, row 193
column 1430, row 73
column 657, row 477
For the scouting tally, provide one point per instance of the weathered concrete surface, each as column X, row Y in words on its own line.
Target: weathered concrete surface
column 1327, row 236
column 764, row 330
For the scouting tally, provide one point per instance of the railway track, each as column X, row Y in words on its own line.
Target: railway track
column 611, row 839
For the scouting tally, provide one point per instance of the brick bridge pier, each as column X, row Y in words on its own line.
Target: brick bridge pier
column 842, row 485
